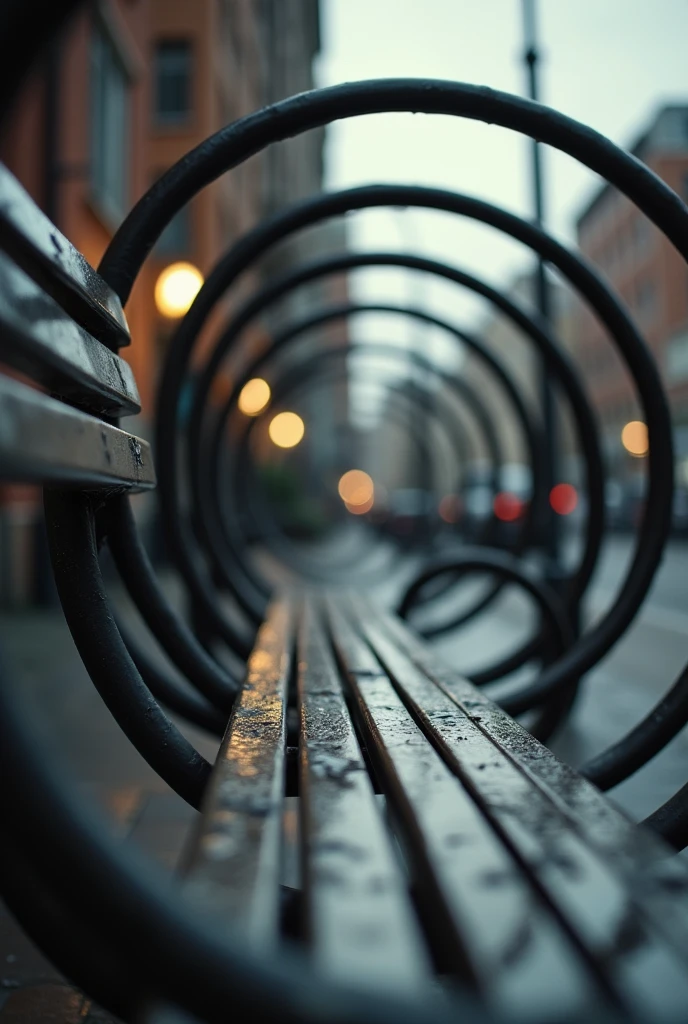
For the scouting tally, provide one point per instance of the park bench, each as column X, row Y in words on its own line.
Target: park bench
column 441, row 850
column 377, row 840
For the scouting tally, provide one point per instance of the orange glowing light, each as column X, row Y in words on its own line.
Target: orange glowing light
column 356, row 489
column 563, row 498
column 508, row 507
column 254, row 396
column 286, row 429
column 634, row 438
column 359, row 510
column 176, row 288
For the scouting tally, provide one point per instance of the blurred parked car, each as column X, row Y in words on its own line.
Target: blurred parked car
column 411, row 515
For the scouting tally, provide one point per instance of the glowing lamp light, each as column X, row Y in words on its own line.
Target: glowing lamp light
column 450, row 508
column 286, row 429
column 563, row 498
column 634, row 439
column 356, row 489
column 359, row 510
column 254, row 396
column 176, row 288
column 508, row 507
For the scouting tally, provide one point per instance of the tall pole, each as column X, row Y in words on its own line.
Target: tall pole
column 549, row 522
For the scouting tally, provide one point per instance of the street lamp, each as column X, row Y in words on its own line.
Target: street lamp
column 357, row 491
column 176, row 288
column 254, row 396
column 286, row 429
column 634, row 439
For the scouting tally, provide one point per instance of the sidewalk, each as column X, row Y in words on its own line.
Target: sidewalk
column 44, row 663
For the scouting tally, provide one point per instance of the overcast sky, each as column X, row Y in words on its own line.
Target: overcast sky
column 609, row 63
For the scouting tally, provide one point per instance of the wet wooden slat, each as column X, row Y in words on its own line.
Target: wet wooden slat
column 500, row 931
column 41, row 340
column 359, row 920
column 234, row 866
column 43, row 440
column 36, row 245
column 590, row 896
column 657, row 880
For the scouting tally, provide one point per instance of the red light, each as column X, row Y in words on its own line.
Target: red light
column 507, row 507
column 563, row 498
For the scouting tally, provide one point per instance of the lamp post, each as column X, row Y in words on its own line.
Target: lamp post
column 550, row 525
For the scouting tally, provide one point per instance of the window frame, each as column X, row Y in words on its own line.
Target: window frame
column 109, row 206
column 173, row 121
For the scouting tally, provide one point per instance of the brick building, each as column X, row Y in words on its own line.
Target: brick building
column 131, row 87
column 650, row 277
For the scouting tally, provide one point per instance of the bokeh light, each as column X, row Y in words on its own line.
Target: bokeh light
column 563, row 498
column 359, row 510
column 286, row 429
column 176, row 288
column 356, row 489
column 508, row 507
column 254, row 396
column 634, row 438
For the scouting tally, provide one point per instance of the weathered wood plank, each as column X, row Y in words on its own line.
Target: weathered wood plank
column 646, row 973
column 500, row 931
column 41, row 340
column 37, row 246
column 359, row 919
column 234, row 866
column 657, row 880
column 45, row 441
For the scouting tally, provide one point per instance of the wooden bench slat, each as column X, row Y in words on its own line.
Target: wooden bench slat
column 647, row 973
column 359, row 920
column 659, row 882
column 38, row 338
column 43, row 440
column 234, row 866
column 516, row 950
column 56, row 265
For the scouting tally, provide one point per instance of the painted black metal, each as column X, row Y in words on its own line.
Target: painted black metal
column 72, row 540
column 212, row 680
column 45, row 441
column 181, row 700
column 556, row 624
column 41, row 340
column 43, row 252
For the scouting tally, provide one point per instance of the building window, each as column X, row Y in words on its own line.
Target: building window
column 109, row 126
column 172, row 82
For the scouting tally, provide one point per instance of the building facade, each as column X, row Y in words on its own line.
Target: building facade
column 128, row 90
column 643, row 268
